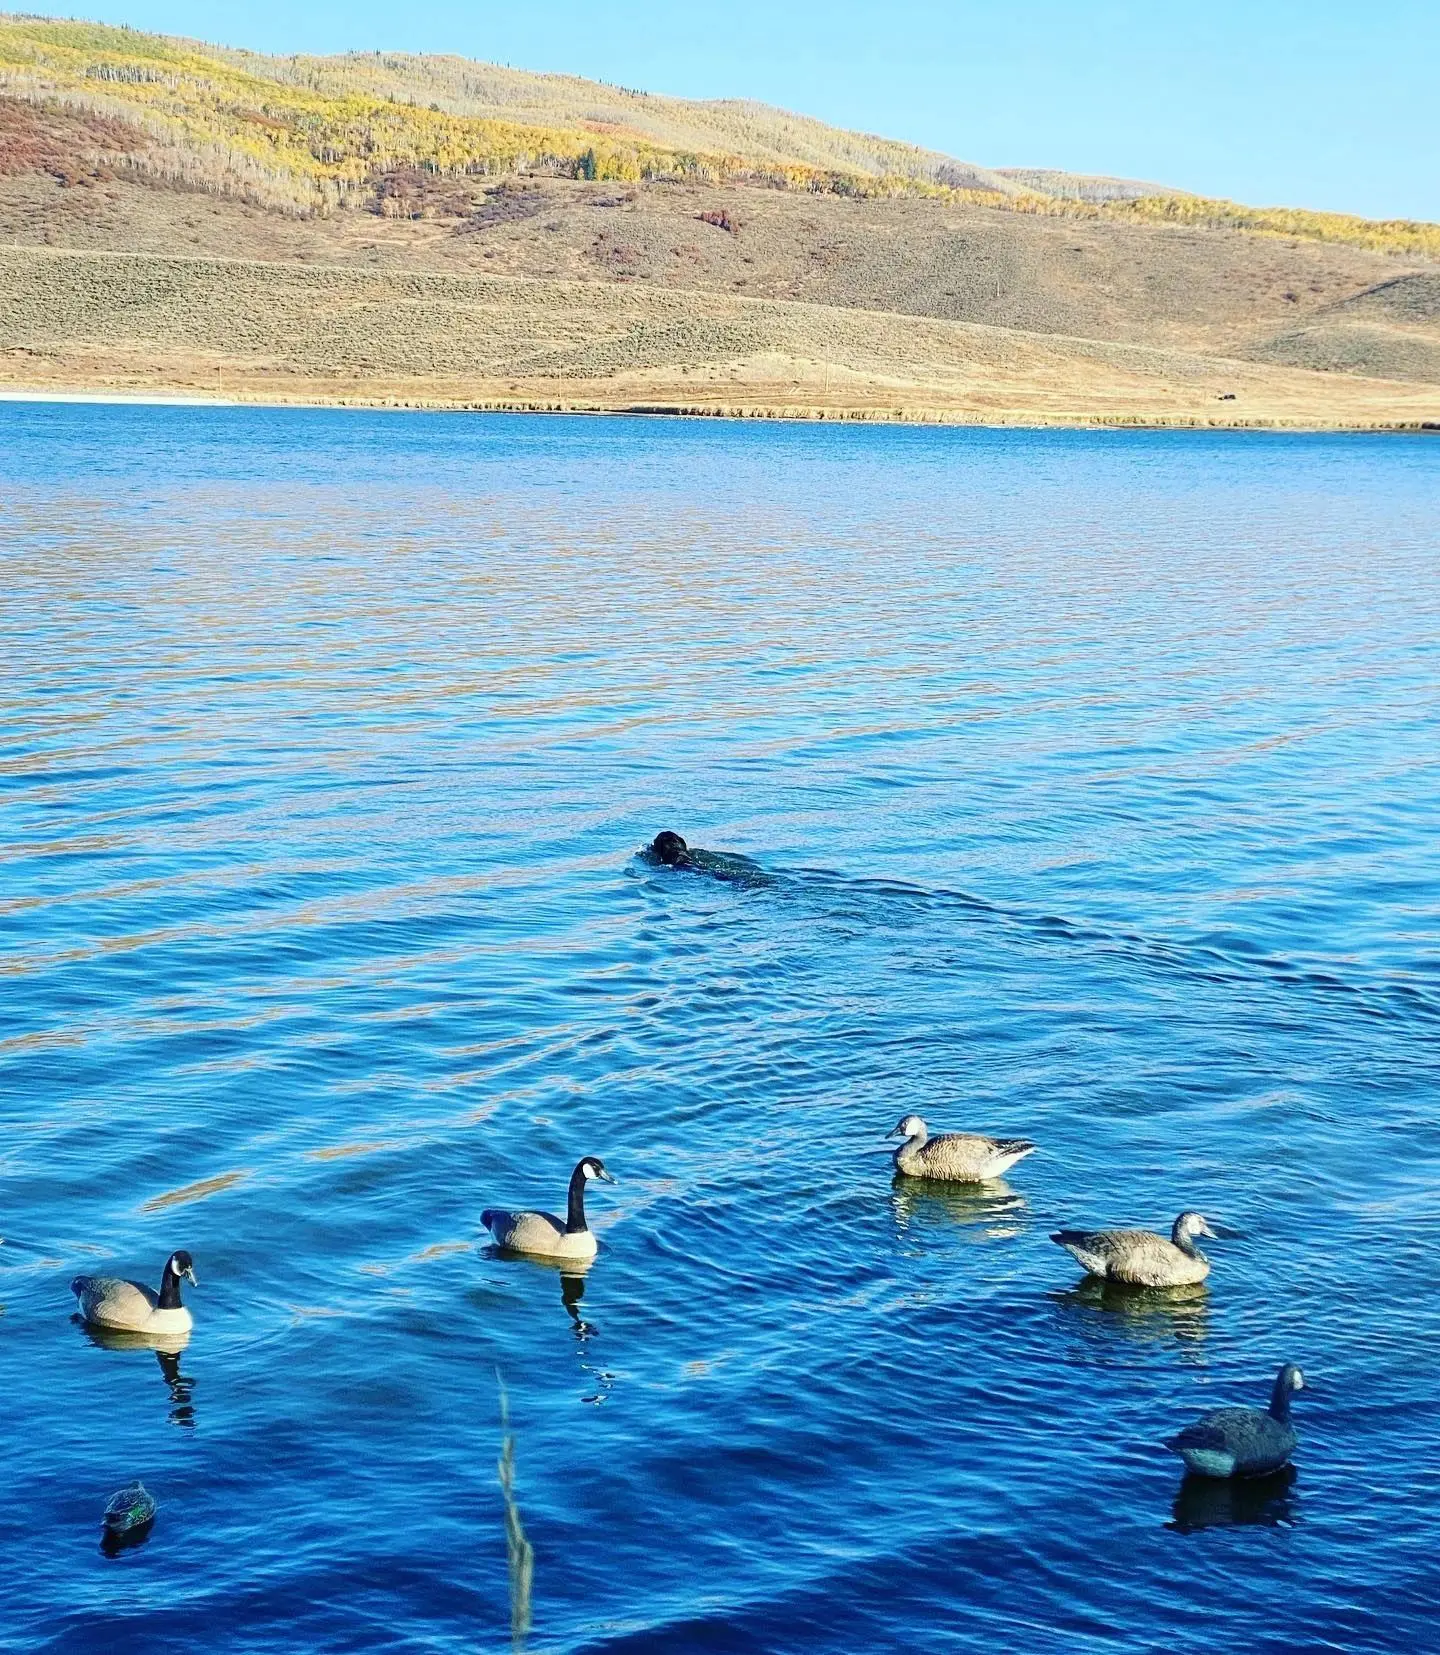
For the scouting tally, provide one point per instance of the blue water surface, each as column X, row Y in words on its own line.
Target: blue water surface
column 1099, row 777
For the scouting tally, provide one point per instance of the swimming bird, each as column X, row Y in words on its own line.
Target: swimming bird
column 958, row 1157
column 132, row 1508
column 1140, row 1258
column 132, row 1307
column 1242, row 1442
column 543, row 1233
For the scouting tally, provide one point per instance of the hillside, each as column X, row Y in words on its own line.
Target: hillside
column 306, row 134
column 387, row 168
column 206, row 326
column 310, row 134
column 687, row 138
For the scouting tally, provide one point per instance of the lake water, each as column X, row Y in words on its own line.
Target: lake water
column 1099, row 777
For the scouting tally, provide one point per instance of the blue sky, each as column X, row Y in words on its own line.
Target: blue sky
column 1299, row 102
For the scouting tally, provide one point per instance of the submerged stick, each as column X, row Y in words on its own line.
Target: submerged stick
column 519, row 1553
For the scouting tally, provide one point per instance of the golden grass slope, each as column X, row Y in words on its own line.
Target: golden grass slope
column 310, row 134
column 126, row 323
column 755, row 135
column 1397, row 235
column 301, row 134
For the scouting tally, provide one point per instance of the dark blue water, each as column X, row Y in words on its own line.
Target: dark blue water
column 1100, row 777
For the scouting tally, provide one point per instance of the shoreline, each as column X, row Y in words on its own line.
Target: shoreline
column 790, row 414
column 184, row 331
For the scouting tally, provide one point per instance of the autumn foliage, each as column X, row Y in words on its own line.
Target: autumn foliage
column 393, row 135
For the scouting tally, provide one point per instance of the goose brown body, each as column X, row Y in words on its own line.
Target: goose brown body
column 527, row 1232
column 1140, row 1258
column 955, row 1157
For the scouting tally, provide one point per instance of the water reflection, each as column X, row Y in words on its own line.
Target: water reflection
column 167, row 1349
column 920, row 1208
column 572, row 1292
column 1142, row 1313
column 572, row 1273
column 181, row 1387
column 1224, row 1502
column 574, row 1269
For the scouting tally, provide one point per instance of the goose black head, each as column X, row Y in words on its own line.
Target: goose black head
column 1288, row 1380
column 589, row 1167
column 1191, row 1224
column 179, row 1266
column 911, row 1126
column 670, row 849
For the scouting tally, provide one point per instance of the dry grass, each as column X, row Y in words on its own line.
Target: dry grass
column 1171, row 287
column 148, row 324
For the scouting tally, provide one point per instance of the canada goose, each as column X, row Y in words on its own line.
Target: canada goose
column 134, row 1308
column 1138, row 1257
column 543, row 1233
column 1242, row 1442
column 957, row 1157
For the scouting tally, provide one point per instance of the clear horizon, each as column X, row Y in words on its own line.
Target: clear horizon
column 1282, row 104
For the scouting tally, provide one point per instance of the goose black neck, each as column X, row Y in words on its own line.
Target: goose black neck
column 1280, row 1398
column 575, row 1213
column 169, row 1289
column 1185, row 1242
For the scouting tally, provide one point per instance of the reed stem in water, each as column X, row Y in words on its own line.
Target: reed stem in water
column 520, row 1554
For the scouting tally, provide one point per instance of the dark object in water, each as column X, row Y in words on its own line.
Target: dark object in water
column 670, row 851
column 1242, row 1442
column 1230, row 1502
column 129, row 1515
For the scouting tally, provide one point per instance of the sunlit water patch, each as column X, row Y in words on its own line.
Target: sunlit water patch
column 1096, row 776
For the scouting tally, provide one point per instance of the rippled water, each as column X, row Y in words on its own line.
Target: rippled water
column 1099, row 778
